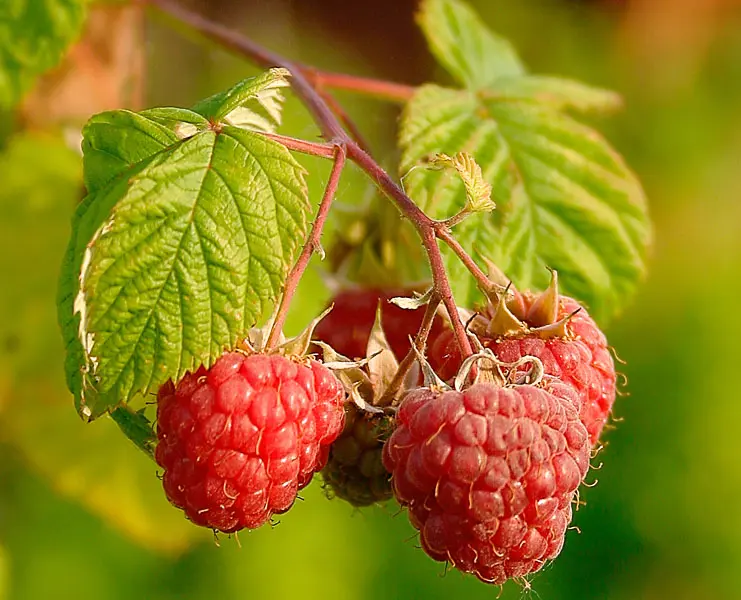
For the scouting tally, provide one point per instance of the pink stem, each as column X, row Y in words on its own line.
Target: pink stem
column 443, row 233
column 312, row 148
column 313, row 244
column 386, row 90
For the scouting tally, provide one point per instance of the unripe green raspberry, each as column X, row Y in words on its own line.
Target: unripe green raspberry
column 355, row 471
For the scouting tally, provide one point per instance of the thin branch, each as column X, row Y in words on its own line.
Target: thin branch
column 443, row 233
column 377, row 88
column 345, row 118
column 304, row 146
column 313, row 244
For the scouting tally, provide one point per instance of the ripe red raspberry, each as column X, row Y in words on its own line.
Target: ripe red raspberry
column 580, row 358
column 489, row 474
column 237, row 441
column 348, row 326
column 355, row 471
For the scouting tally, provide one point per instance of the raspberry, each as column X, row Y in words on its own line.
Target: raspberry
column 488, row 474
column 348, row 326
column 237, row 441
column 355, row 471
column 580, row 358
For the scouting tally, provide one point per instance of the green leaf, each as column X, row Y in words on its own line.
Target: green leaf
column 252, row 104
column 558, row 93
column 461, row 42
column 196, row 246
column 478, row 191
column 183, row 242
column 565, row 198
column 34, row 35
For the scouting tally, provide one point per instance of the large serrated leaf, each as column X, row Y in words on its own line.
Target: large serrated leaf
column 460, row 41
column 556, row 92
column 33, row 37
column 565, row 199
column 115, row 143
column 195, row 247
column 183, row 241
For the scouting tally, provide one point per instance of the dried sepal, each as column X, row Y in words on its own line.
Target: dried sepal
column 506, row 315
column 299, row 345
column 557, row 329
column 382, row 364
column 360, row 401
column 418, row 301
column 503, row 322
column 544, row 311
column 430, row 378
column 349, row 372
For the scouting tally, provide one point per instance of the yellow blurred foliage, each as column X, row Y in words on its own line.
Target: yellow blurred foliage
column 91, row 463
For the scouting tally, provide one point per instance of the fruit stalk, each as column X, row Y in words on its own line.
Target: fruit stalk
column 419, row 345
column 313, row 244
column 443, row 233
column 303, row 146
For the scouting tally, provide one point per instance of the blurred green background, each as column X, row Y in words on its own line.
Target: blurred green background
column 81, row 511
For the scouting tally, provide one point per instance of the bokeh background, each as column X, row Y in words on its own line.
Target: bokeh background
column 81, row 511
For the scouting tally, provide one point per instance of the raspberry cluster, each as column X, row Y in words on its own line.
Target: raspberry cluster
column 239, row 440
column 488, row 473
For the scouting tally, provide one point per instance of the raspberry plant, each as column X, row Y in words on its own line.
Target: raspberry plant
column 197, row 227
